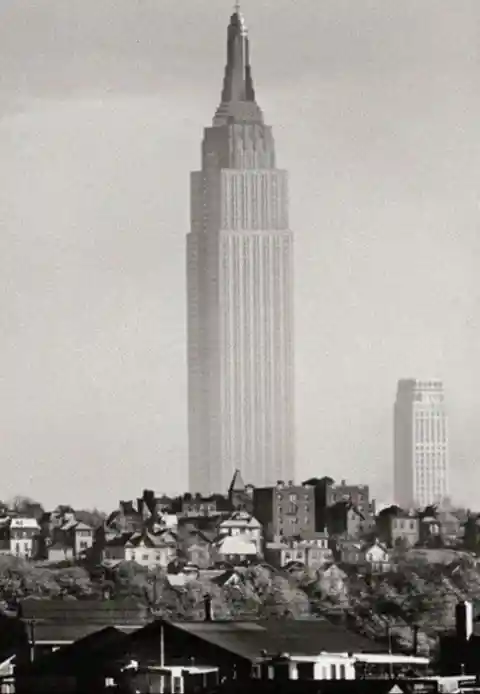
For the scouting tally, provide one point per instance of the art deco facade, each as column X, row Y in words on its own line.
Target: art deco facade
column 240, row 294
column 421, row 444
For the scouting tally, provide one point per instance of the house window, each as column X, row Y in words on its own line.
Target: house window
column 343, row 672
column 145, row 557
column 177, row 685
column 132, row 556
column 333, row 671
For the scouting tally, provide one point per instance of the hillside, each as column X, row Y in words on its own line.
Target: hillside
column 418, row 590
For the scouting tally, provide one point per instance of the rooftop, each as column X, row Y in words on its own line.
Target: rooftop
column 306, row 637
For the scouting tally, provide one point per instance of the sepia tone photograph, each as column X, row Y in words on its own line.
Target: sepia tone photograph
column 240, row 327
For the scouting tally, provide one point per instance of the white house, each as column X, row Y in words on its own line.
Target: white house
column 234, row 549
column 151, row 550
column 23, row 535
column 377, row 556
column 243, row 524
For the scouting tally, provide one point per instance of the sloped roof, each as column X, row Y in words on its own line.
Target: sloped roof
column 80, row 525
column 119, row 541
column 29, row 523
column 235, row 545
column 239, row 518
column 149, row 539
column 237, row 484
column 92, row 648
column 74, row 612
column 297, row 637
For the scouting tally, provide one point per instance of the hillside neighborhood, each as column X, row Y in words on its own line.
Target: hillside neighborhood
column 289, row 551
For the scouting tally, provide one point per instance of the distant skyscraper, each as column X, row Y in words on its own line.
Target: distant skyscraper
column 421, row 443
column 240, row 294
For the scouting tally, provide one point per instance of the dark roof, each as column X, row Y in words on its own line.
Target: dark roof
column 237, row 484
column 89, row 650
column 65, row 633
column 74, row 612
column 119, row 541
column 301, row 637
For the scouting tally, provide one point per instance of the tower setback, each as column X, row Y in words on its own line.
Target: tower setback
column 239, row 294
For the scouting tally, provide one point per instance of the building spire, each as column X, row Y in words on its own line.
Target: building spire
column 238, row 95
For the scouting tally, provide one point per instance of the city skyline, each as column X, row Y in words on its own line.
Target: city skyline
column 240, row 327
column 101, row 113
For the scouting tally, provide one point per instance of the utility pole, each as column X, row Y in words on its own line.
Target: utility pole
column 31, row 637
column 162, row 644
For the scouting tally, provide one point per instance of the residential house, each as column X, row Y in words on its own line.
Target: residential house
column 234, row 550
column 242, row 523
column 127, row 518
column 313, row 552
column 197, row 506
column 285, row 510
column 240, row 495
column 348, row 551
column 58, row 552
column 398, row 528
column 344, row 518
column 430, row 531
column 198, row 551
column 450, row 526
column 83, row 538
column 24, row 534
column 114, row 549
column 376, row 556
column 151, row 550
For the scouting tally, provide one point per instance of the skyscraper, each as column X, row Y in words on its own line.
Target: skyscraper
column 239, row 294
column 421, row 443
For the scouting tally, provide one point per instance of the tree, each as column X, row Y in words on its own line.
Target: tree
column 74, row 581
column 25, row 506
column 94, row 518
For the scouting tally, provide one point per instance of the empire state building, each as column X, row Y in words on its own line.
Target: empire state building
column 239, row 294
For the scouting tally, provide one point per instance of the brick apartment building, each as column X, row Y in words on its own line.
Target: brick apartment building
column 285, row 510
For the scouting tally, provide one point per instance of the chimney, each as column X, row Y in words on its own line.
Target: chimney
column 207, row 601
column 464, row 620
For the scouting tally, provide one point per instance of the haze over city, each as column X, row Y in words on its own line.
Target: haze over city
column 374, row 108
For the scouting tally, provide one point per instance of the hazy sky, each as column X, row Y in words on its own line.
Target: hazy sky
column 376, row 111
